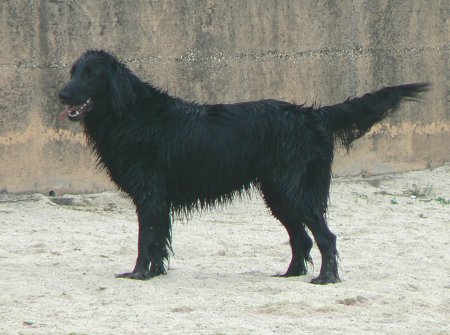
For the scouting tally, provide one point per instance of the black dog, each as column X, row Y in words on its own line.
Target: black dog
column 173, row 156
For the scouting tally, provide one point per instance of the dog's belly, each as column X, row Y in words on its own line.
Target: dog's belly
column 208, row 186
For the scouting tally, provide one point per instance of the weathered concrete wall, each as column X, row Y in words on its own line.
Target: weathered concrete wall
column 222, row 51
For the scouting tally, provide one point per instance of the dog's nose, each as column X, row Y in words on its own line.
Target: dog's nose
column 63, row 96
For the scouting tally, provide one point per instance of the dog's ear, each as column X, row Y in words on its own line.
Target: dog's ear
column 121, row 89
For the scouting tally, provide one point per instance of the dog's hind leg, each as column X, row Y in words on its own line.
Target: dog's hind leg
column 301, row 245
column 299, row 240
column 326, row 241
column 312, row 203
column 304, row 200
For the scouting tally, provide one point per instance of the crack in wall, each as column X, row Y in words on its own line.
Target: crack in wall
column 192, row 56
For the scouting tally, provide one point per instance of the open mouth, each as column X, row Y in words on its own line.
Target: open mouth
column 76, row 113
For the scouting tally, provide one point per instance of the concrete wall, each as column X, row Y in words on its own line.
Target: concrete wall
column 222, row 51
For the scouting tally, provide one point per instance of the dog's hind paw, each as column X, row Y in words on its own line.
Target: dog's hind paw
column 322, row 280
column 288, row 273
column 138, row 275
column 296, row 268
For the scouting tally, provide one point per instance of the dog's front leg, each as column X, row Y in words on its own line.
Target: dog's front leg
column 154, row 238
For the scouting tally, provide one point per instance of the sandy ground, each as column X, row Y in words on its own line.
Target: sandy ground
column 57, row 265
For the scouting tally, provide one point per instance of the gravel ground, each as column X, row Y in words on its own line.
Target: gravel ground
column 58, row 257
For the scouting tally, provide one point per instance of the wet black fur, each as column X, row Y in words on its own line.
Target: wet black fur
column 174, row 156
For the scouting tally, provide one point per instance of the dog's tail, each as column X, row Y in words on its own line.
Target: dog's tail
column 351, row 119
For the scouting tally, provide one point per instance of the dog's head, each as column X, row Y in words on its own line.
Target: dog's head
column 97, row 85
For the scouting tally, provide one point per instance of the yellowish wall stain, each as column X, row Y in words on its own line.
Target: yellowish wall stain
column 37, row 132
column 409, row 128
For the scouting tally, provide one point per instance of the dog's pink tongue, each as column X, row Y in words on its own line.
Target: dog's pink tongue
column 65, row 113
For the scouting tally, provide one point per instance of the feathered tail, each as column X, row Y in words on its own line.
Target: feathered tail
column 351, row 119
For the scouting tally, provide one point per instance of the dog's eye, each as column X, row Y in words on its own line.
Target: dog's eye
column 88, row 73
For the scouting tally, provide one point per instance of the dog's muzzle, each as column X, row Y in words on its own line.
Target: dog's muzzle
column 76, row 113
